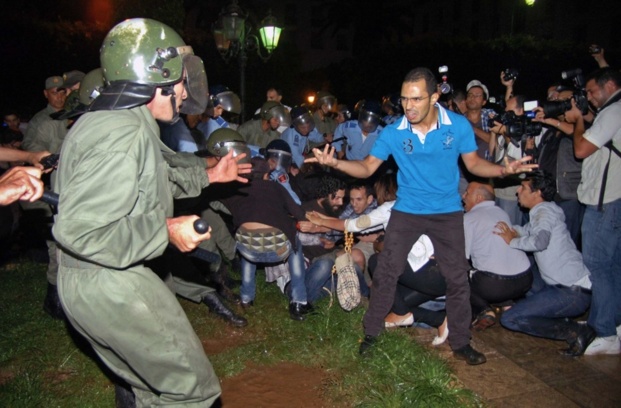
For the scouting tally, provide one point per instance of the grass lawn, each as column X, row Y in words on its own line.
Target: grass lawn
column 43, row 365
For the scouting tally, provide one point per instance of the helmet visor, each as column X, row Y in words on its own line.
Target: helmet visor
column 278, row 159
column 329, row 101
column 229, row 102
column 304, row 124
column 195, row 85
column 221, row 149
column 368, row 121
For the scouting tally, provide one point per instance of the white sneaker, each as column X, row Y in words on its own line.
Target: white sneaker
column 604, row 345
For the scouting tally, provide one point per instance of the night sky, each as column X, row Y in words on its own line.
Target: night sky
column 40, row 38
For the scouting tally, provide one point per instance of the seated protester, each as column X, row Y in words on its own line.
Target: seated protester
column 266, row 234
column 221, row 99
column 360, row 134
column 548, row 311
column 322, row 253
column 302, row 135
column 418, row 259
column 361, row 201
column 501, row 273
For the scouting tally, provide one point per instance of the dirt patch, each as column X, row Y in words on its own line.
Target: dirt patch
column 285, row 385
column 229, row 338
column 6, row 376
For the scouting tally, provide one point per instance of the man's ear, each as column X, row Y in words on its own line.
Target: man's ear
column 370, row 198
column 434, row 98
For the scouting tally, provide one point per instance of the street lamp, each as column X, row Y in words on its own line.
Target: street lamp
column 233, row 38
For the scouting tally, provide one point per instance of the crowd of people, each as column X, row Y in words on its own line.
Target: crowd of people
column 466, row 214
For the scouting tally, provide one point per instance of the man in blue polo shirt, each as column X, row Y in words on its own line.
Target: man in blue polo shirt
column 426, row 144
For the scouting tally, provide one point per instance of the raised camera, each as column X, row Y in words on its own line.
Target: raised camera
column 510, row 74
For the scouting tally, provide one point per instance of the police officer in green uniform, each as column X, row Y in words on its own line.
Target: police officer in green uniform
column 116, row 205
column 44, row 133
column 324, row 115
column 259, row 132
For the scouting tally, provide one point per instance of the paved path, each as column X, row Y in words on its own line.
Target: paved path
column 525, row 371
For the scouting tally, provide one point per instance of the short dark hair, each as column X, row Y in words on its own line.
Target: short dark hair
column 329, row 186
column 543, row 181
column 362, row 185
column 425, row 74
column 603, row 75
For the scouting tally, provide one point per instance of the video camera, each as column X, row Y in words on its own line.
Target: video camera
column 518, row 127
column 554, row 109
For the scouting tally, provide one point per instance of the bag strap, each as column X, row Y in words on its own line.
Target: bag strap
column 602, row 190
column 349, row 242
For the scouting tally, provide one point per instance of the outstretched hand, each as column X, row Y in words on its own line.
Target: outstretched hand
column 325, row 157
column 229, row 169
column 518, row 166
column 20, row 183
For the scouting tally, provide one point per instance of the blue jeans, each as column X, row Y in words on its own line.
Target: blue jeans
column 250, row 259
column 574, row 213
column 601, row 250
column 544, row 313
column 319, row 276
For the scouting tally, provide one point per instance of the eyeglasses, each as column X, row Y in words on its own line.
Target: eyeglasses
column 416, row 100
column 472, row 96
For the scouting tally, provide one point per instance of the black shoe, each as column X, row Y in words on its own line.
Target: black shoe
column 584, row 336
column 124, row 396
column 298, row 311
column 228, row 295
column 51, row 304
column 469, row 354
column 215, row 305
column 366, row 344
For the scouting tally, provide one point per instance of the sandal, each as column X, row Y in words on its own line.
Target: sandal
column 484, row 321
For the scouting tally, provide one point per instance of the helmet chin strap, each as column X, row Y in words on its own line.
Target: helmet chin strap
column 170, row 90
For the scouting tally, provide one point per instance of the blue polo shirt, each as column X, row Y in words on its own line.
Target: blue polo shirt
column 428, row 175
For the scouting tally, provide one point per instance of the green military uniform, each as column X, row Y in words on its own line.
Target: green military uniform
column 116, row 191
column 327, row 125
column 45, row 133
column 253, row 133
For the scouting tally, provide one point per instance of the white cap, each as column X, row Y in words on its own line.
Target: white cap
column 476, row 82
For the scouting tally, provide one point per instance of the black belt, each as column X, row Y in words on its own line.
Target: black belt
column 575, row 288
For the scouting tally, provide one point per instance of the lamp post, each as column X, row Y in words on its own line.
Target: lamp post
column 233, row 38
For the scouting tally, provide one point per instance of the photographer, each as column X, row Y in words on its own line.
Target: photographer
column 516, row 137
column 555, row 154
column 600, row 190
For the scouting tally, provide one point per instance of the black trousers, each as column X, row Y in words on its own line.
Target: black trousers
column 446, row 232
column 489, row 288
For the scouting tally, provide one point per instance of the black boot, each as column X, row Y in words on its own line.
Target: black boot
column 215, row 305
column 581, row 337
column 219, row 283
column 51, row 304
column 124, row 396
